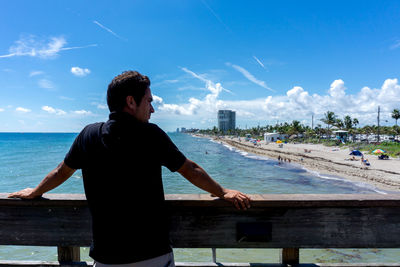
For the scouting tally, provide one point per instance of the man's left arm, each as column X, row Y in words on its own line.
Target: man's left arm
column 200, row 178
column 56, row 177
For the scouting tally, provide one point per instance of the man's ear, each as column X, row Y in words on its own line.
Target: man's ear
column 131, row 103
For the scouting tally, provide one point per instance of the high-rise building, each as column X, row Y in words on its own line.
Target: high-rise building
column 226, row 120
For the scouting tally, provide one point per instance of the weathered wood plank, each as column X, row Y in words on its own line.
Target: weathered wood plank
column 286, row 227
column 5, row 263
column 200, row 221
column 43, row 225
column 8, row 263
column 259, row 200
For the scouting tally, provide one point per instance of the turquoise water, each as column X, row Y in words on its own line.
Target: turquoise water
column 25, row 158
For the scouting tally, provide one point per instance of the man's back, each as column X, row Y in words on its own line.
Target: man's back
column 121, row 165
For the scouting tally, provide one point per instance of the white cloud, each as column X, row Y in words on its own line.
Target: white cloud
column 1, row 109
column 209, row 103
column 35, row 73
column 337, row 89
column 250, row 76
column 53, row 110
column 46, row 84
column 157, row 100
column 82, row 112
column 395, row 45
column 99, row 105
column 171, row 81
column 79, row 71
column 296, row 104
column 209, row 84
column 30, row 45
column 22, row 110
column 102, row 106
column 66, row 98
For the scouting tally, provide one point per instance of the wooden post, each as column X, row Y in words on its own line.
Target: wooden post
column 214, row 255
column 69, row 254
column 290, row 256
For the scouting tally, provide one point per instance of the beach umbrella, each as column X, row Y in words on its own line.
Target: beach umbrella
column 356, row 153
column 279, row 142
column 378, row 151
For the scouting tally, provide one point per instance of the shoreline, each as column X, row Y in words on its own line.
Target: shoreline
column 333, row 161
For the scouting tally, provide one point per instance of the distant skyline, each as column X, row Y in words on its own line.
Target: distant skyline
column 269, row 61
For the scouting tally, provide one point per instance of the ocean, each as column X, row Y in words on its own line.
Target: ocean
column 25, row 158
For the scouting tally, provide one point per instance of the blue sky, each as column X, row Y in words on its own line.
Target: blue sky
column 268, row 60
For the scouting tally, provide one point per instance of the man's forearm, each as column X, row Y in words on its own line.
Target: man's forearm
column 51, row 181
column 200, row 178
column 56, row 177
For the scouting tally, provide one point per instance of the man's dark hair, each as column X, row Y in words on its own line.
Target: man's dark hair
column 129, row 83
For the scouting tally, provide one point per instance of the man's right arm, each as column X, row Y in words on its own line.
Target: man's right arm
column 56, row 177
column 200, row 178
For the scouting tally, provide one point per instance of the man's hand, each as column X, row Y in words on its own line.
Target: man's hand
column 27, row 193
column 240, row 200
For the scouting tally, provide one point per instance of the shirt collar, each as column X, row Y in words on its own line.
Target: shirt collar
column 123, row 117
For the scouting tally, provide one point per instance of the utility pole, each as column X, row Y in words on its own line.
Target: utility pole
column 312, row 121
column 379, row 111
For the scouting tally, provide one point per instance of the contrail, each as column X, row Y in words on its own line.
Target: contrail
column 215, row 15
column 78, row 47
column 259, row 62
column 109, row 30
column 250, row 76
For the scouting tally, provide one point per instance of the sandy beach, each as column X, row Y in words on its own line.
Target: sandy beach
column 383, row 174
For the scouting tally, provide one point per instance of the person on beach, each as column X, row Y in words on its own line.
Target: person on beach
column 365, row 162
column 121, row 162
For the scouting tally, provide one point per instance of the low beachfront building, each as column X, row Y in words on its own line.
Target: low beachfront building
column 273, row 137
column 341, row 135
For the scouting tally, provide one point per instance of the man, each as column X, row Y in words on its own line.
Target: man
column 121, row 163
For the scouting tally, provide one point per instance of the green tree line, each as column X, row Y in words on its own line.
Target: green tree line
column 330, row 119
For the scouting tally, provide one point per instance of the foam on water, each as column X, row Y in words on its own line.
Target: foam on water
column 344, row 180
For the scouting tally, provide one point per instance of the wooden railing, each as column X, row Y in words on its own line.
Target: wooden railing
column 288, row 222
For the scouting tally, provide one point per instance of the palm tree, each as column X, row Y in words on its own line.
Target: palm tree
column 348, row 122
column 339, row 123
column 330, row 118
column 396, row 114
column 355, row 122
column 215, row 130
column 296, row 128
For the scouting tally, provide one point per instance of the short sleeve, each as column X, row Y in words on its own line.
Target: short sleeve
column 171, row 156
column 75, row 156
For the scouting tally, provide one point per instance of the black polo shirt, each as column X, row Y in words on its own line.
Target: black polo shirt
column 121, row 163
